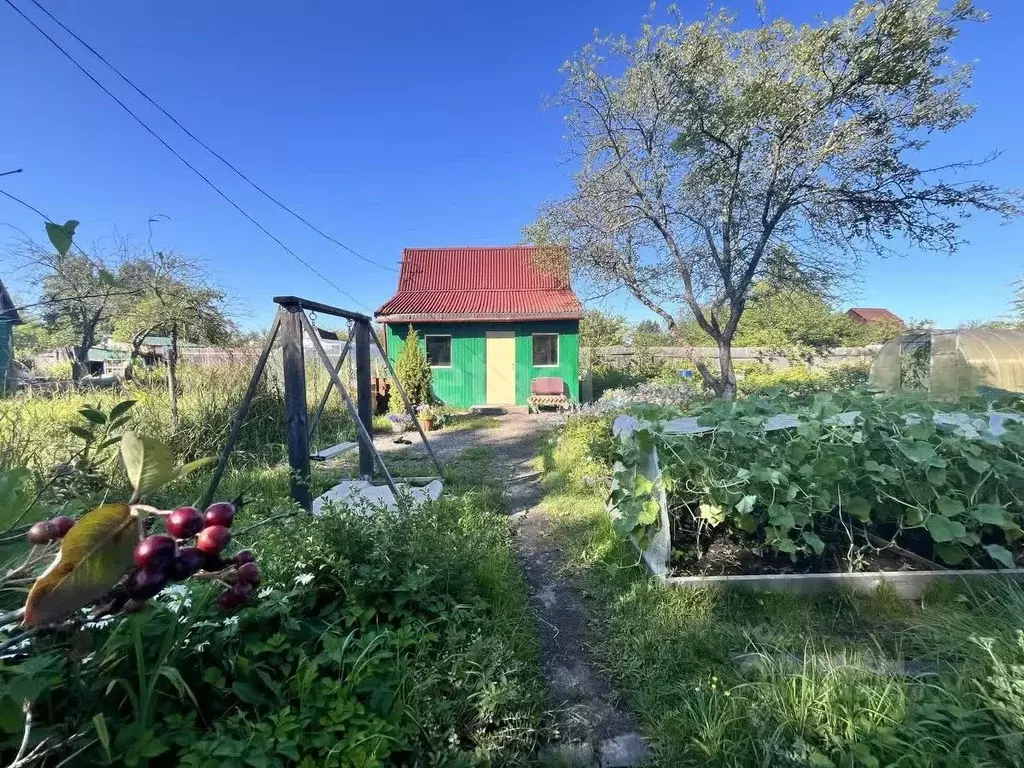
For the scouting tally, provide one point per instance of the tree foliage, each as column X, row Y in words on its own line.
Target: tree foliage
column 413, row 370
column 602, row 329
column 704, row 148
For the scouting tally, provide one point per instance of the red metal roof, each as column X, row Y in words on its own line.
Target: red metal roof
column 475, row 283
column 867, row 315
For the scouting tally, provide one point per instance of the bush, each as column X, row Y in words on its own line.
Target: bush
column 389, row 638
column 800, row 380
column 583, row 449
column 413, row 371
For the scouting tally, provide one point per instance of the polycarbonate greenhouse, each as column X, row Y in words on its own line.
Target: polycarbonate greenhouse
column 950, row 364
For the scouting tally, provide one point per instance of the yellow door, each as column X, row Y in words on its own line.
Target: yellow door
column 501, row 367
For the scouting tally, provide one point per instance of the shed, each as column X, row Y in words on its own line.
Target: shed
column 490, row 319
column 950, row 364
column 9, row 318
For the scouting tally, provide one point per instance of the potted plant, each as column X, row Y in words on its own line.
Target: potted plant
column 400, row 422
column 429, row 416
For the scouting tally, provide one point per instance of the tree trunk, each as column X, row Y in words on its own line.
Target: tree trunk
column 727, row 375
column 80, row 363
column 172, row 375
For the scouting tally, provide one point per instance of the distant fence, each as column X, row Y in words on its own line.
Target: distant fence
column 219, row 355
column 623, row 356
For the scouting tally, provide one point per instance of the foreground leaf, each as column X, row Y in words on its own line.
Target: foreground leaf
column 943, row 529
column 149, row 462
column 94, row 556
column 1000, row 554
column 61, row 235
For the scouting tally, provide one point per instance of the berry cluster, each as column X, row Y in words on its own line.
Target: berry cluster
column 53, row 529
column 160, row 558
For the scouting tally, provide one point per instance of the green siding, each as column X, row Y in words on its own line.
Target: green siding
column 465, row 382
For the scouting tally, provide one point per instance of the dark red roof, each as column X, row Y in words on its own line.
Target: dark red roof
column 467, row 284
column 866, row 315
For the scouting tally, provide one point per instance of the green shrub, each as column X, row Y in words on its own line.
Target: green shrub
column 389, row 638
column 413, row 370
column 583, row 449
column 801, row 379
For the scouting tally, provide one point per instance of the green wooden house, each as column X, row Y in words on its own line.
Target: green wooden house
column 8, row 319
column 491, row 320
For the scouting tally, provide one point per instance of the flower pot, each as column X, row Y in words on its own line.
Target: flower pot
column 427, row 424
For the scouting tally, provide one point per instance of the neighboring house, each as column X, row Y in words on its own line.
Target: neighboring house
column 867, row 316
column 8, row 319
column 491, row 321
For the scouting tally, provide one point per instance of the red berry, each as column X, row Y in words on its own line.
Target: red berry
column 184, row 522
column 249, row 573
column 62, row 524
column 245, row 556
column 145, row 584
column 220, row 513
column 232, row 598
column 154, row 552
column 187, row 561
column 42, row 532
column 213, row 539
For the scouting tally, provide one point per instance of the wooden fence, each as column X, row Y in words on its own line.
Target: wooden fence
column 624, row 356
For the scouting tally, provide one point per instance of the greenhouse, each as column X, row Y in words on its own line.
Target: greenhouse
column 950, row 364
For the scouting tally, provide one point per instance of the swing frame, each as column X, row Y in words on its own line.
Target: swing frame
column 291, row 323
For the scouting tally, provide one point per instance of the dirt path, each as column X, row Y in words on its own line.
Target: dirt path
column 592, row 730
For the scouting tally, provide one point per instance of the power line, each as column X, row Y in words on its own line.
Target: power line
column 189, row 165
column 207, row 147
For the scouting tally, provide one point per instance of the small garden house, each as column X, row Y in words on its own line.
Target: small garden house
column 492, row 320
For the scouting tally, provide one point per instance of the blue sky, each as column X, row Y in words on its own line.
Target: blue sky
column 389, row 125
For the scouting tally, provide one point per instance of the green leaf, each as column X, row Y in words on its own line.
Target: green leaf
column 746, row 505
column 149, row 462
column 950, row 553
column 192, row 466
column 915, row 450
column 979, row 466
column 781, row 517
column 936, row 476
column 100, row 724
column 990, row 514
column 746, row 523
column 858, row 507
column 96, row 417
column 61, row 235
column 712, row 513
column 943, row 529
column 949, row 507
column 1000, row 554
column 94, row 556
column 82, row 432
column 121, row 409
column 814, row 541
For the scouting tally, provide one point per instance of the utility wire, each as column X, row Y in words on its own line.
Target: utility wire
column 207, row 147
column 189, row 165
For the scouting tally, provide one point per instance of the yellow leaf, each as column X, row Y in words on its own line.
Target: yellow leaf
column 94, row 556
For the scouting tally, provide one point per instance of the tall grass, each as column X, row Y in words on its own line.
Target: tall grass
column 34, row 427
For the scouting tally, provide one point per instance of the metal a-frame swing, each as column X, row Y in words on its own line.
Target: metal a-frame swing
column 291, row 322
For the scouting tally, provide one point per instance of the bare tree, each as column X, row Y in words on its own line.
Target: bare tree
column 704, row 148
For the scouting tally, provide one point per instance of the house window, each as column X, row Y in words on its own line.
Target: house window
column 439, row 351
column 545, row 350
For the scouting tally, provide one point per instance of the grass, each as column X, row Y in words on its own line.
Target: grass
column 669, row 653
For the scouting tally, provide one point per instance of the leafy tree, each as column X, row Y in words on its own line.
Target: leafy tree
column 413, row 370
column 703, row 148
column 80, row 294
column 175, row 298
column 602, row 329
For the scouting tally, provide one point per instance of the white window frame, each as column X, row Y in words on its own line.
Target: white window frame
column 557, row 354
column 438, row 336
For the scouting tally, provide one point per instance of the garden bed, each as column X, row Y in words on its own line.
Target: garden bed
column 849, row 490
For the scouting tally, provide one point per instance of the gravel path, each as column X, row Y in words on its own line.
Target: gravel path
column 593, row 732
